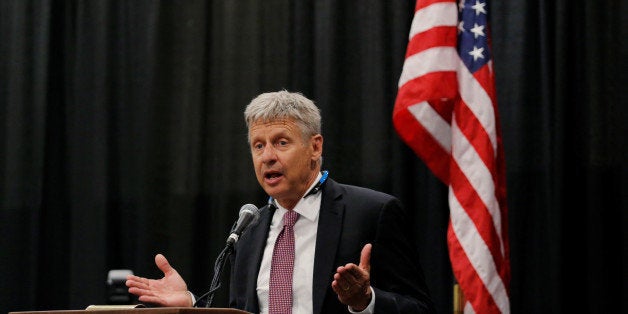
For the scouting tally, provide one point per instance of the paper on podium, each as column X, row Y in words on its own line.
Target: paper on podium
column 113, row 307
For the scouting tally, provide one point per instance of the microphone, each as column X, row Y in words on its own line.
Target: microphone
column 249, row 214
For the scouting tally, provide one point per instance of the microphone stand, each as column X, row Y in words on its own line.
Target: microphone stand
column 249, row 213
column 218, row 267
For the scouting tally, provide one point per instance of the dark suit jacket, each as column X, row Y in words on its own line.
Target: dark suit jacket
column 350, row 217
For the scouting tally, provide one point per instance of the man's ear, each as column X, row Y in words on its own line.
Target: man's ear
column 317, row 146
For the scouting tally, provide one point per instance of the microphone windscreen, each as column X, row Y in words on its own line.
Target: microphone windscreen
column 249, row 214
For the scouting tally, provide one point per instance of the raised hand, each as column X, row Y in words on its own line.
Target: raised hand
column 171, row 290
column 352, row 283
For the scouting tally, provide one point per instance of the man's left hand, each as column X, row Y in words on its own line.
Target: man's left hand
column 352, row 283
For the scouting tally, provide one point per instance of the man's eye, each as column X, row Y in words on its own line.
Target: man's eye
column 283, row 143
column 258, row 146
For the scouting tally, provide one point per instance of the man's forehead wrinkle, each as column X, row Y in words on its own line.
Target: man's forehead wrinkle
column 285, row 126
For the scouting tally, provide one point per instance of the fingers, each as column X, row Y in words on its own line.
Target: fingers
column 365, row 258
column 142, row 288
column 143, row 283
column 354, row 274
column 150, row 299
column 350, row 278
column 350, row 275
column 162, row 264
column 341, row 285
column 140, row 291
column 352, row 285
column 352, row 282
column 137, row 282
column 347, row 274
column 340, row 288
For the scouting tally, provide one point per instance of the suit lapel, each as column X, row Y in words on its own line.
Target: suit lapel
column 327, row 239
column 258, row 235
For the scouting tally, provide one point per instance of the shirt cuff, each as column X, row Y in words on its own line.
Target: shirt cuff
column 370, row 309
column 192, row 297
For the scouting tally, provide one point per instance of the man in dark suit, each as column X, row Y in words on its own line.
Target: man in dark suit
column 319, row 246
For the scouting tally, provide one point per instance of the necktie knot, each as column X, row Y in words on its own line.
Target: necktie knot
column 290, row 218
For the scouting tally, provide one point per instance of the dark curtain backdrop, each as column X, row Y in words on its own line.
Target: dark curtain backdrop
column 122, row 136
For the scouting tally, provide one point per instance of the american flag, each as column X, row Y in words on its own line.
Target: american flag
column 446, row 111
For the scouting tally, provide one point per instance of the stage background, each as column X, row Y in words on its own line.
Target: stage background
column 122, row 136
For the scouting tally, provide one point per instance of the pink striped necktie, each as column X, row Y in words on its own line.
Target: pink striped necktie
column 281, row 268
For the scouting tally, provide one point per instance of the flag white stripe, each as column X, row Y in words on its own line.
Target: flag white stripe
column 433, row 123
column 478, row 102
column 478, row 253
column 478, row 175
column 435, row 59
column 434, row 15
column 468, row 308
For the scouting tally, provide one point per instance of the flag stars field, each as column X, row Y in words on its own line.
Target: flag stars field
column 478, row 30
column 477, row 53
column 479, row 7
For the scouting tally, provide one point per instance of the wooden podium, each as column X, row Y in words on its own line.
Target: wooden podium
column 153, row 310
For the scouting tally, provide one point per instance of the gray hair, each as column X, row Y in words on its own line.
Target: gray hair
column 274, row 106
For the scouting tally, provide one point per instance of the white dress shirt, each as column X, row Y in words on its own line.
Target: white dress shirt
column 305, row 230
column 304, row 248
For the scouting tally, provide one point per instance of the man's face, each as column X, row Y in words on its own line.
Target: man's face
column 285, row 164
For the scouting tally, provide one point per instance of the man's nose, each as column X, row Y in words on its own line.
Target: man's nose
column 269, row 154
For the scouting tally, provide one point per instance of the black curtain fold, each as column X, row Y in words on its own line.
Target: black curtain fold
column 122, row 136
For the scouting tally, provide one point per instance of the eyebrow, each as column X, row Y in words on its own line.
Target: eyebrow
column 274, row 135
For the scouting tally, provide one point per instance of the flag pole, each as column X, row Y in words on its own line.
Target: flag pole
column 458, row 299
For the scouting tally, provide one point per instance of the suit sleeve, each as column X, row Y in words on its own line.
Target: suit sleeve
column 396, row 275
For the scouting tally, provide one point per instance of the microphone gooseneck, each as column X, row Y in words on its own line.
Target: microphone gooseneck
column 249, row 214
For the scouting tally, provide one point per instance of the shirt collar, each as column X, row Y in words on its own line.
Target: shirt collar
column 307, row 207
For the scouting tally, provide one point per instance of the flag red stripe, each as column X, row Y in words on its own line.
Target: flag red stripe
column 433, row 87
column 484, row 76
column 477, row 211
column 442, row 36
column 477, row 136
column 422, row 143
column 500, row 193
column 473, row 288
column 422, row 4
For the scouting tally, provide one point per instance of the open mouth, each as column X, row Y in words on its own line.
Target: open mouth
column 272, row 175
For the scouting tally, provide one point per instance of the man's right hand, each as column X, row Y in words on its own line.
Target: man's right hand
column 170, row 290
